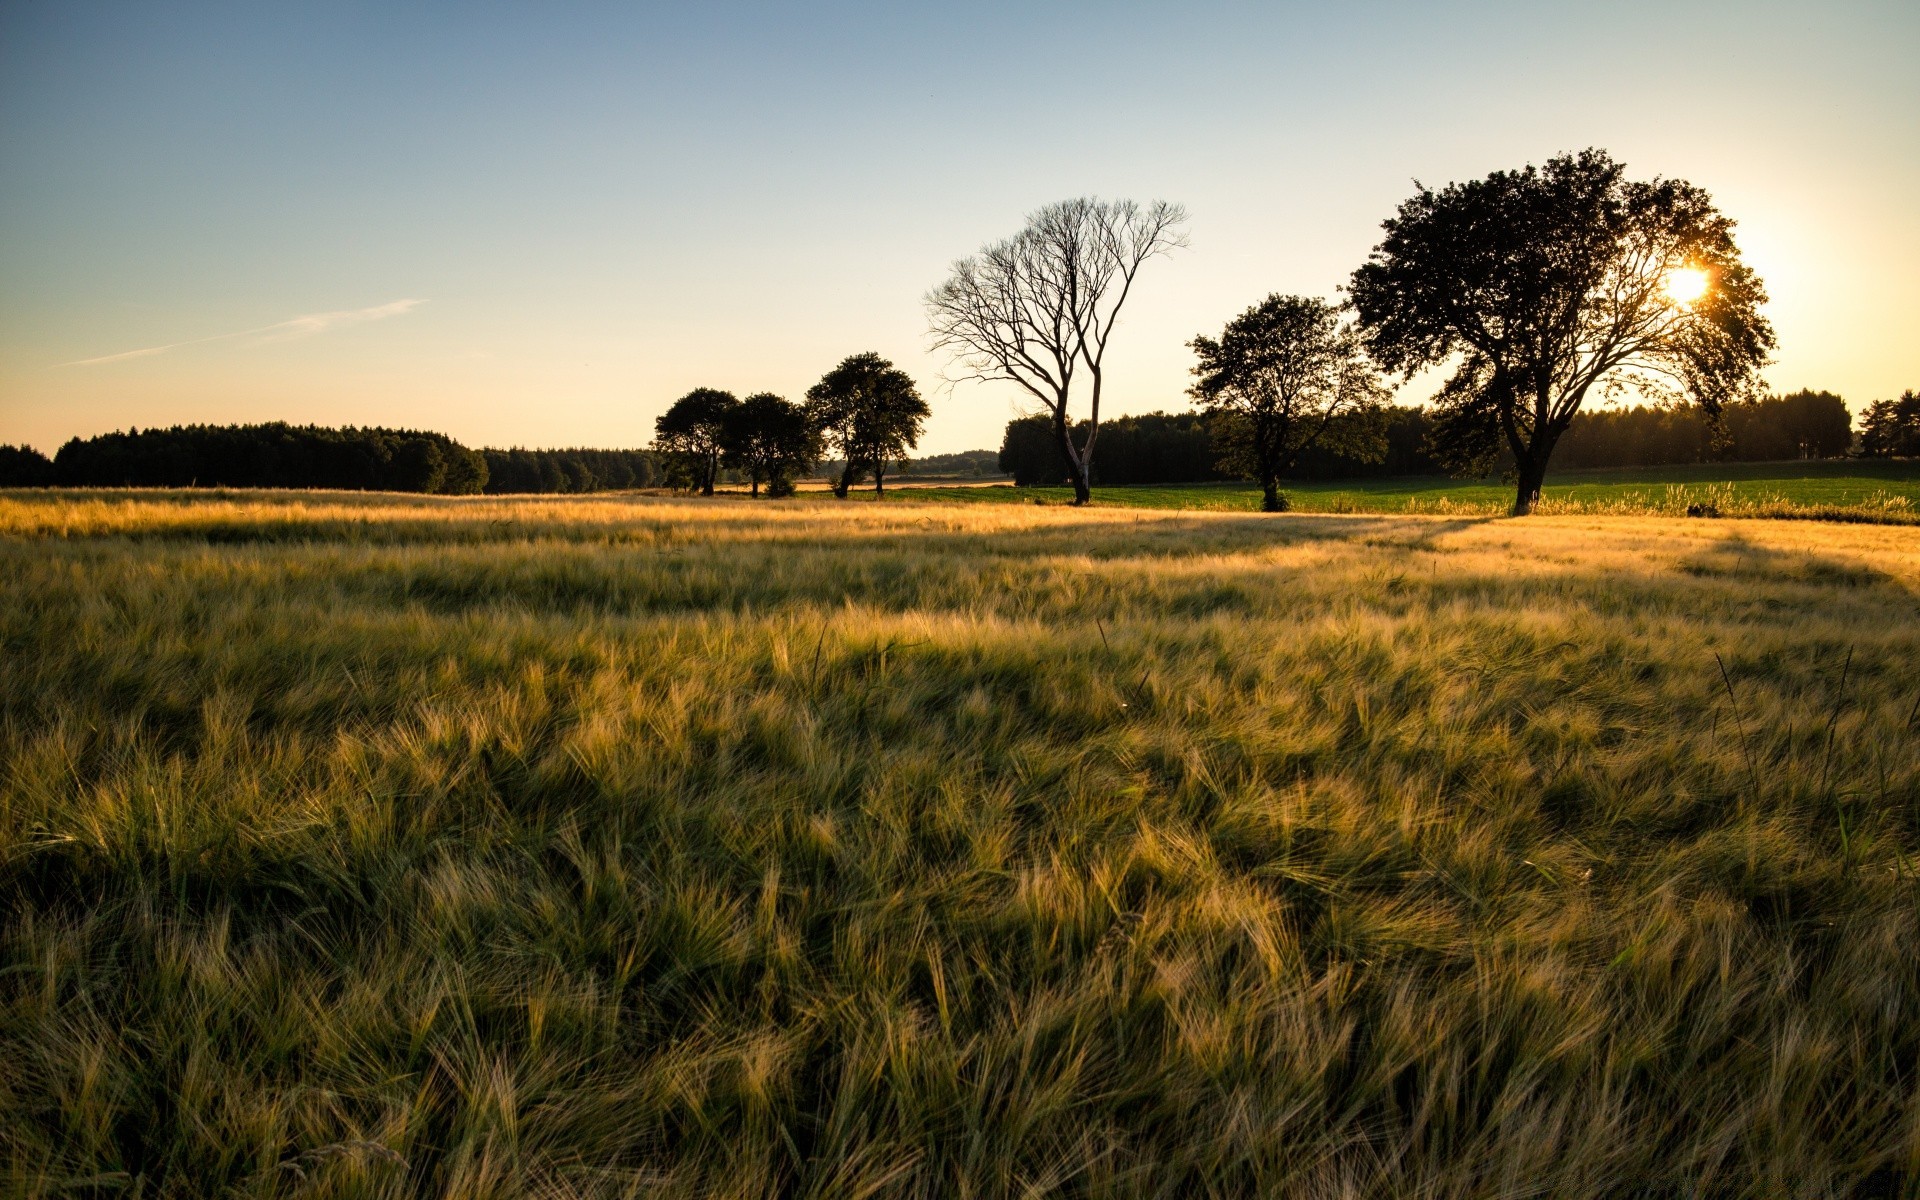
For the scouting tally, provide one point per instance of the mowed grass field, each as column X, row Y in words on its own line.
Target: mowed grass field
column 381, row 847
column 1842, row 489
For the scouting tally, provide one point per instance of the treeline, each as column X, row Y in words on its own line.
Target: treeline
column 279, row 455
column 1180, row 447
column 266, row 456
column 517, row 470
column 966, row 462
column 1803, row 424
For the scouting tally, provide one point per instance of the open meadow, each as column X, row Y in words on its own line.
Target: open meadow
column 382, row 846
column 1885, row 491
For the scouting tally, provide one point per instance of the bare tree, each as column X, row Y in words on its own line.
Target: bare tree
column 1039, row 308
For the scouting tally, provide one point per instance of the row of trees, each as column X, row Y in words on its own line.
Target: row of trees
column 564, row 471
column 271, row 455
column 865, row 413
column 1182, row 447
column 279, row 455
column 1187, row 447
column 1891, row 428
column 1537, row 288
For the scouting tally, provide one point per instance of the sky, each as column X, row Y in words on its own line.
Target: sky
column 538, row 224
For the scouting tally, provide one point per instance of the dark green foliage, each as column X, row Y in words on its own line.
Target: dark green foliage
column 1803, row 424
column 1545, row 284
column 1150, row 448
column 1891, row 428
column 965, row 462
column 517, row 470
column 23, row 466
column 1029, row 453
column 687, row 437
column 1285, row 377
column 275, row 455
column 1179, row 448
column 771, row 440
column 869, row 413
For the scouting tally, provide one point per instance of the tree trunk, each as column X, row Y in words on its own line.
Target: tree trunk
column 1078, row 468
column 1270, row 498
column 1533, row 476
column 880, row 478
column 845, row 485
column 710, row 469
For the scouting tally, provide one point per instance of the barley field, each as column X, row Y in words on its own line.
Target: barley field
column 614, row 846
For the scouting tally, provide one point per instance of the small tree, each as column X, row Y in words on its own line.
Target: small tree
column 688, row 437
column 1891, row 428
column 1545, row 285
column 1040, row 307
column 770, row 439
column 870, row 414
column 1285, row 377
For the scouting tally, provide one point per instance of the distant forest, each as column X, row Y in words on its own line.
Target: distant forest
column 305, row 456
column 1151, row 448
column 1179, row 447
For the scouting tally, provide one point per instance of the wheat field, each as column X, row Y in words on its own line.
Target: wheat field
column 614, row 846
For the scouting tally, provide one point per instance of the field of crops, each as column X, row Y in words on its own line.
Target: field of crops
column 1849, row 489
column 628, row 846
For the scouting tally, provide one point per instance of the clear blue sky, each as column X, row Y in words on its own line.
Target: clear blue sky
column 539, row 223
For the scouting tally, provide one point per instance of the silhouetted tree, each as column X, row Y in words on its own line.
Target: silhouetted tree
column 870, row 414
column 1549, row 283
column 771, row 440
column 1891, row 428
column 688, row 436
column 1285, row 376
column 1040, row 307
column 23, row 466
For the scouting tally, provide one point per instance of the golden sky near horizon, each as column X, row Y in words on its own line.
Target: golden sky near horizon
column 540, row 229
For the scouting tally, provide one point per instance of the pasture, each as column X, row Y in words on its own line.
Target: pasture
column 1883, row 491
column 380, row 846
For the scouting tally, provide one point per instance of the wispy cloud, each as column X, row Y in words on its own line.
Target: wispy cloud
column 295, row 327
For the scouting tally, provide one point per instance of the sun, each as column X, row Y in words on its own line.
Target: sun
column 1686, row 284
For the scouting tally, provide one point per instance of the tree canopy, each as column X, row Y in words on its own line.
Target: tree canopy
column 274, row 455
column 770, row 439
column 1891, row 428
column 688, row 437
column 1283, row 377
column 870, row 414
column 1039, row 308
column 1547, row 285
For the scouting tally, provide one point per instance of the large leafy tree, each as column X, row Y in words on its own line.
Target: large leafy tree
column 771, row 439
column 1285, row 377
column 870, row 414
column 1544, row 287
column 688, row 436
column 1039, row 309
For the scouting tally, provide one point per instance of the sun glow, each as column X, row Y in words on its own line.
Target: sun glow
column 1686, row 284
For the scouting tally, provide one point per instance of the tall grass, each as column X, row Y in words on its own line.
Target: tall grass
column 379, row 847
